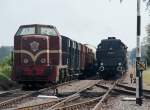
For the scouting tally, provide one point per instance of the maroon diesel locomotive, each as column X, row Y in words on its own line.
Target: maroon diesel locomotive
column 41, row 55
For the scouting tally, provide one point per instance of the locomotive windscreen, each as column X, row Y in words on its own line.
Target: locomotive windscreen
column 36, row 30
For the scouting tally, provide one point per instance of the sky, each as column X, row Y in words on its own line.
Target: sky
column 86, row 21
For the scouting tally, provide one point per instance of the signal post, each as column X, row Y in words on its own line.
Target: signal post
column 139, row 79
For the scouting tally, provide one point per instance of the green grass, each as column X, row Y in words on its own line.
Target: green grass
column 3, row 77
column 146, row 77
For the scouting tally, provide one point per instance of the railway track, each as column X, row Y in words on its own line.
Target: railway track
column 8, row 95
column 72, row 97
column 123, row 89
column 74, row 102
column 94, row 103
column 99, row 104
column 10, row 99
column 87, row 104
column 131, row 90
column 17, row 99
column 8, row 92
column 71, row 102
column 60, row 102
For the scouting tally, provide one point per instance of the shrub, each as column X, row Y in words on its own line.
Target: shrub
column 5, row 66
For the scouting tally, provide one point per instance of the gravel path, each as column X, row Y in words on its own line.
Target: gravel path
column 75, row 86
column 117, row 103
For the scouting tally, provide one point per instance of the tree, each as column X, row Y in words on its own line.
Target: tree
column 146, row 1
column 5, row 51
column 133, row 54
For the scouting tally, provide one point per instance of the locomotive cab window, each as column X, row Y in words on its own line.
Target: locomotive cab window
column 48, row 31
column 25, row 31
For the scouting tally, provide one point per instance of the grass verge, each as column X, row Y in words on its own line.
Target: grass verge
column 146, row 76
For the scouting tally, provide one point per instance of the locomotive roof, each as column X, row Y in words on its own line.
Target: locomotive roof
column 37, row 25
column 112, row 39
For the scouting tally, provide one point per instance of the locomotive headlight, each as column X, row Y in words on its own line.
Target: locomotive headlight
column 25, row 60
column 119, row 63
column 43, row 60
column 101, row 63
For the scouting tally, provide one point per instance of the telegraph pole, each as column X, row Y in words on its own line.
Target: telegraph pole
column 139, row 82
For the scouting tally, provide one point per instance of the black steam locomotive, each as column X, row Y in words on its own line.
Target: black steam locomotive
column 111, row 57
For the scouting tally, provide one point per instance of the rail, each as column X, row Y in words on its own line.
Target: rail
column 11, row 102
column 99, row 104
column 8, row 92
column 70, row 98
column 55, row 104
column 80, row 105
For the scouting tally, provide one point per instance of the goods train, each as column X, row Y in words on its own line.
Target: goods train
column 111, row 55
column 41, row 55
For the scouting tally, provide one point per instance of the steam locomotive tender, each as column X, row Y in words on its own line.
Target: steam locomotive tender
column 41, row 55
column 111, row 55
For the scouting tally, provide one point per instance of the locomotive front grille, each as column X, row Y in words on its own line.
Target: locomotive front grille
column 33, row 78
column 33, row 73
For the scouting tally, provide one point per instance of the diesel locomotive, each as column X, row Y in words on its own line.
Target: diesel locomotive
column 111, row 55
column 41, row 55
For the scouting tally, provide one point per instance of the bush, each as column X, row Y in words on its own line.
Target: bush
column 6, row 70
column 5, row 66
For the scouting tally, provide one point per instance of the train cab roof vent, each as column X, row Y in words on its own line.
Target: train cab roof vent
column 111, row 37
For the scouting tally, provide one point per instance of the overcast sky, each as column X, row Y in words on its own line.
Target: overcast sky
column 86, row 21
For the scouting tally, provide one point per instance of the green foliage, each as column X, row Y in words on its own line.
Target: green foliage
column 6, row 61
column 5, row 66
column 146, row 1
column 6, row 70
column 148, row 55
column 148, row 31
column 133, row 54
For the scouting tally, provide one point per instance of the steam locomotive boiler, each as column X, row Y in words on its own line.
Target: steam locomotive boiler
column 111, row 55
